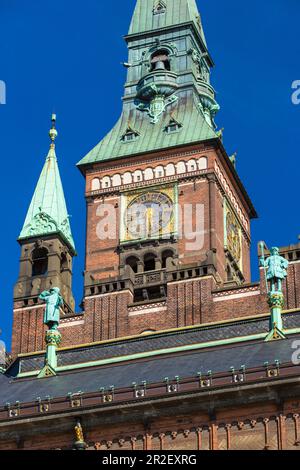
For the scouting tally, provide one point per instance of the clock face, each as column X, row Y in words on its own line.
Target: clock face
column 233, row 236
column 148, row 215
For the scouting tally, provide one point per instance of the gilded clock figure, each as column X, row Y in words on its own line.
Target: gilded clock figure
column 233, row 236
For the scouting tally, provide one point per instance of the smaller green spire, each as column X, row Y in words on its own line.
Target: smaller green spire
column 47, row 213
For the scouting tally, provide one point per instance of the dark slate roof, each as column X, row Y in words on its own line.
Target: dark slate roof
column 165, row 340
column 153, row 370
column 155, row 342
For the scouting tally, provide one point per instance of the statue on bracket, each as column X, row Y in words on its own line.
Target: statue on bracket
column 276, row 269
column 53, row 302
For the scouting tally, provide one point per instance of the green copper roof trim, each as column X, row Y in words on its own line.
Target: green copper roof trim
column 192, row 347
column 47, row 213
column 148, row 354
column 147, row 17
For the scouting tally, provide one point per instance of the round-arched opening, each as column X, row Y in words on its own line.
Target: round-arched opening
column 132, row 261
column 167, row 254
column 39, row 262
column 149, row 262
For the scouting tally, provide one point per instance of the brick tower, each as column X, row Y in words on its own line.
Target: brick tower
column 47, row 250
column 176, row 348
column 168, row 218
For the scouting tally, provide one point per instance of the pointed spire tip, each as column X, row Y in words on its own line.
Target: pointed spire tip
column 53, row 132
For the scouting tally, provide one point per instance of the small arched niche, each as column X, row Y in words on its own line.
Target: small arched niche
column 95, row 184
column 127, row 178
column 148, row 174
column 106, row 182
column 180, row 168
column 159, row 172
column 202, row 163
column 137, row 176
column 116, row 180
column 170, row 169
column 192, row 165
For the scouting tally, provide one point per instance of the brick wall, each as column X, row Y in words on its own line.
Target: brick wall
column 189, row 302
column 29, row 330
column 256, row 427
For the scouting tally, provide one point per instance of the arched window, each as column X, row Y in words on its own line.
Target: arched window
column 159, row 172
column 106, row 182
column 191, row 165
column 167, row 254
column 202, row 163
column 160, row 61
column 132, row 261
column 149, row 262
column 137, row 176
column 95, row 184
column 39, row 262
column 127, row 178
column 170, row 169
column 116, row 180
column 148, row 174
column 181, row 168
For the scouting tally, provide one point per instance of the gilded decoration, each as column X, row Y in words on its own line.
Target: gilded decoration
column 233, row 234
column 149, row 214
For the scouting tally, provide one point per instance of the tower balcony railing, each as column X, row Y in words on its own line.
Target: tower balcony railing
column 150, row 278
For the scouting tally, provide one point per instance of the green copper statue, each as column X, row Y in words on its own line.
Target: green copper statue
column 53, row 302
column 276, row 267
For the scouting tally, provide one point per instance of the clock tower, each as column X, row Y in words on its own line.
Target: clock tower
column 168, row 219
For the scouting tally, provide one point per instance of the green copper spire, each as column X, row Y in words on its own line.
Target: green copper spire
column 156, row 14
column 168, row 80
column 47, row 213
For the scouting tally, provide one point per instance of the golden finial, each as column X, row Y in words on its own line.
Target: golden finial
column 53, row 132
column 79, row 444
column 79, row 432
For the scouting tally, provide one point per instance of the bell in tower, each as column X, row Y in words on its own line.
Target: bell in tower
column 160, row 61
column 160, row 65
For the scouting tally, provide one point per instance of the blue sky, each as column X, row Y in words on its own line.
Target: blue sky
column 64, row 56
